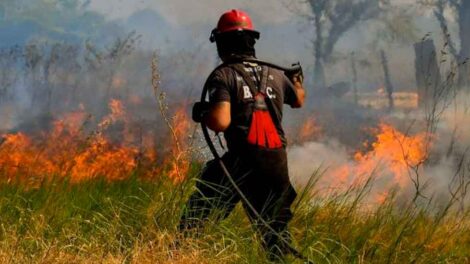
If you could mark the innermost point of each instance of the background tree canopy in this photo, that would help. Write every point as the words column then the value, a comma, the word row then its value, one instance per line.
column 65, row 20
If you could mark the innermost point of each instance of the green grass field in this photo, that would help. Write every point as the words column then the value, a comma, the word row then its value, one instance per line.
column 134, row 221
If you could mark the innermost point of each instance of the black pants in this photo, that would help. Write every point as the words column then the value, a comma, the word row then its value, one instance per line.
column 262, row 176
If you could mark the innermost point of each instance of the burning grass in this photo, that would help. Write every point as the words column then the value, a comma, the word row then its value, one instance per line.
column 98, row 200
column 69, row 150
column 111, row 195
column 390, row 159
column 394, row 161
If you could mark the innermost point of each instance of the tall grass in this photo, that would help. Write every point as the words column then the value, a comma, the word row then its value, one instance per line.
column 134, row 221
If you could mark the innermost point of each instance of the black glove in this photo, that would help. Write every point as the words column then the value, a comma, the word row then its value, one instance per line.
column 199, row 110
column 296, row 76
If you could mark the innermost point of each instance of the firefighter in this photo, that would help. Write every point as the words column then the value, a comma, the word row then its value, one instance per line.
column 246, row 103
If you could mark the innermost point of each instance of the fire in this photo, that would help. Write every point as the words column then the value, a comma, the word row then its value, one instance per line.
column 309, row 130
column 398, row 153
column 113, row 150
column 103, row 159
column 180, row 127
column 118, row 81
column 117, row 110
column 389, row 161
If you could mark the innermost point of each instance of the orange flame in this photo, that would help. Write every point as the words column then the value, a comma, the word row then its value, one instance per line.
column 309, row 130
column 389, row 161
column 180, row 164
column 68, row 151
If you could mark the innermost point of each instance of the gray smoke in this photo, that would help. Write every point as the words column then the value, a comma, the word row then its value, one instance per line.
column 445, row 170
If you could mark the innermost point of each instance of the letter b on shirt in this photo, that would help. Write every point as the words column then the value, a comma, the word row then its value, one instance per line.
column 246, row 92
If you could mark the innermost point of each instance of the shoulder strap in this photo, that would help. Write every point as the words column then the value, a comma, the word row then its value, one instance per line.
column 240, row 70
column 263, row 88
column 264, row 80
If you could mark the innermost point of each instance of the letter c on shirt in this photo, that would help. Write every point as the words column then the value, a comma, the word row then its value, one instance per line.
column 270, row 93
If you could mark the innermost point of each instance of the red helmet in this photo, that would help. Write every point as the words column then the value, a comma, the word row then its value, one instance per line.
column 234, row 20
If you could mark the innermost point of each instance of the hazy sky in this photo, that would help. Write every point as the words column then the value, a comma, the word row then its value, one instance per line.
column 201, row 11
column 195, row 19
column 276, row 22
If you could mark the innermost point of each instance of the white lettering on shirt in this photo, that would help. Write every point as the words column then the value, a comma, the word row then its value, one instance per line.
column 246, row 92
column 270, row 93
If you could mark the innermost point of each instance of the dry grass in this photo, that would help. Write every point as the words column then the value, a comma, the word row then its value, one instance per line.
column 134, row 221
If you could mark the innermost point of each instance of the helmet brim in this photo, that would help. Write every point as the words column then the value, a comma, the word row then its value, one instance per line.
column 215, row 32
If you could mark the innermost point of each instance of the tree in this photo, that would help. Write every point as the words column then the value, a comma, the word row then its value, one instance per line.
column 396, row 26
column 8, row 73
column 461, row 11
column 331, row 19
column 108, row 61
column 68, row 20
column 388, row 80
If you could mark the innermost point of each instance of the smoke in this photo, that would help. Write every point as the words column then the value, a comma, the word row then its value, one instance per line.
column 286, row 35
column 57, row 78
column 408, row 160
column 305, row 159
column 181, row 12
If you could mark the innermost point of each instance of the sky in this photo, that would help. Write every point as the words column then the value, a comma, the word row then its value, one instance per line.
column 191, row 22
column 197, row 18
column 186, row 12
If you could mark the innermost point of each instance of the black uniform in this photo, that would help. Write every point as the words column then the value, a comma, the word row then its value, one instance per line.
column 261, row 173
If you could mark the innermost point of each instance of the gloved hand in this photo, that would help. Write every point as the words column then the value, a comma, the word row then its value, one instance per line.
column 199, row 110
column 297, row 76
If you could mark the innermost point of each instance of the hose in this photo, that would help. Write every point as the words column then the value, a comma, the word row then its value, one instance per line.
column 216, row 155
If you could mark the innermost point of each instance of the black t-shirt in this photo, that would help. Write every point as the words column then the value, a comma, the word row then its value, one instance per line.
column 226, row 85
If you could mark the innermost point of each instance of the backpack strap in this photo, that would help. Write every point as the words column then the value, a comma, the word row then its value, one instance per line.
column 264, row 87
column 264, row 80
column 240, row 70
